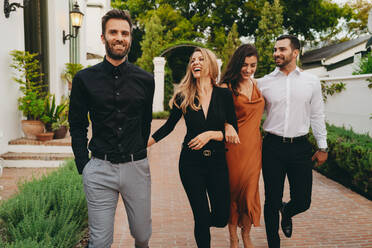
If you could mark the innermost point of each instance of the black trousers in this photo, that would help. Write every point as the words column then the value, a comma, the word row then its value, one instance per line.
column 206, row 182
column 278, row 161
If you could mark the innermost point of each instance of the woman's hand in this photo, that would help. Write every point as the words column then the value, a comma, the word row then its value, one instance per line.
column 231, row 136
column 150, row 142
column 200, row 141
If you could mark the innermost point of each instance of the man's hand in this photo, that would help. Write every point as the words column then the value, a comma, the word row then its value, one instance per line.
column 320, row 158
column 231, row 135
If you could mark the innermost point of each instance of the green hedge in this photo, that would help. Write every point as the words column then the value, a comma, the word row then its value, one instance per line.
column 160, row 115
column 47, row 212
column 349, row 159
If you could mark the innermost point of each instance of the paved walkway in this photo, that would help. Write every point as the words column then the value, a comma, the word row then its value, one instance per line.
column 337, row 218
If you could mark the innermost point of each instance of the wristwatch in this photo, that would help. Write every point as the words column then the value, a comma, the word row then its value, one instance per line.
column 323, row 149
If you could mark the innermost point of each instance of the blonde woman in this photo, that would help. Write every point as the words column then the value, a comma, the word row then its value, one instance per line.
column 203, row 169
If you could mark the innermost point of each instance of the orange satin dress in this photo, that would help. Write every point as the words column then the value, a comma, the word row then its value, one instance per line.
column 244, row 160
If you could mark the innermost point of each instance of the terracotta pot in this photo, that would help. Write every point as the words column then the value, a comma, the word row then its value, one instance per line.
column 60, row 133
column 45, row 136
column 31, row 128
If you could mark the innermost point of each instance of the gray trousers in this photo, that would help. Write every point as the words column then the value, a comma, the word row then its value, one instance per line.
column 103, row 181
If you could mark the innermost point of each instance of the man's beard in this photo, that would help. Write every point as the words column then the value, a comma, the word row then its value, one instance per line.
column 116, row 56
column 284, row 62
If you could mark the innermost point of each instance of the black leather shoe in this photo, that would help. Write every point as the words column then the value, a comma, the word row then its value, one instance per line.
column 286, row 223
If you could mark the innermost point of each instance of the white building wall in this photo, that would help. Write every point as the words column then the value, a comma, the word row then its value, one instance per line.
column 353, row 106
column 319, row 71
column 346, row 70
column 95, row 11
column 12, row 29
column 58, row 20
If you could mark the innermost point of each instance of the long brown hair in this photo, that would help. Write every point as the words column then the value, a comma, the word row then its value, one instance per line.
column 231, row 75
column 187, row 89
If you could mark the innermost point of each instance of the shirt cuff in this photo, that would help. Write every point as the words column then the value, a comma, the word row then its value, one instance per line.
column 322, row 143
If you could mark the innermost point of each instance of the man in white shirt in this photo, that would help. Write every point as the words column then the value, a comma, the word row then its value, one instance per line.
column 293, row 103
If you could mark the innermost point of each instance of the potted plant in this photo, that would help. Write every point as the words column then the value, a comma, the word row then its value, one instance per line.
column 69, row 73
column 31, row 103
column 61, row 126
column 51, row 115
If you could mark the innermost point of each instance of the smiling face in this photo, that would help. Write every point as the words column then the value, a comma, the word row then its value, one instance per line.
column 117, row 38
column 198, row 65
column 284, row 54
column 248, row 68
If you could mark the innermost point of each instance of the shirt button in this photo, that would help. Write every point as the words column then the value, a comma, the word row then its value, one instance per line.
column 118, row 93
column 116, row 77
column 120, row 128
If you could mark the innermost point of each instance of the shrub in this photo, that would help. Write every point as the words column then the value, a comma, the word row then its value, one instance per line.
column 47, row 212
column 160, row 115
column 349, row 159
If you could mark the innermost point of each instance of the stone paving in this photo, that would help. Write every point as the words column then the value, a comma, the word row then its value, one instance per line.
column 338, row 217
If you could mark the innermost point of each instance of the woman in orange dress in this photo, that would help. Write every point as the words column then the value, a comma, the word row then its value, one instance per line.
column 244, row 158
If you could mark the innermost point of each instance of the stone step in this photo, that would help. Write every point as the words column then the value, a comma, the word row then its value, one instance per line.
column 34, row 159
column 34, row 146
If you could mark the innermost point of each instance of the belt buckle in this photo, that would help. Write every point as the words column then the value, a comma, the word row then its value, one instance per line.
column 207, row 153
column 288, row 140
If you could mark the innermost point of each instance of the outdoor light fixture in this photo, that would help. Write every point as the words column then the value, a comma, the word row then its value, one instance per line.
column 9, row 7
column 76, row 20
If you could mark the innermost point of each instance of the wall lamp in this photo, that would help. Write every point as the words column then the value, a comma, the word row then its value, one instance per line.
column 9, row 7
column 76, row 17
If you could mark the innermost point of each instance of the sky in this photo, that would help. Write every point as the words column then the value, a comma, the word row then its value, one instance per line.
column 340, row 1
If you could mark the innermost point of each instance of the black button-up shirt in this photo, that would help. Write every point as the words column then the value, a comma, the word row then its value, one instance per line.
column 119, row 102
column 221, row 111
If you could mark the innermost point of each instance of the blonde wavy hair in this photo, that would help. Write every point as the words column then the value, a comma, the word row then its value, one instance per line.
column 187, row 89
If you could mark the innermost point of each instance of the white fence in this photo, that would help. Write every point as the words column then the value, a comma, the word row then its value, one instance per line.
column 351, row 108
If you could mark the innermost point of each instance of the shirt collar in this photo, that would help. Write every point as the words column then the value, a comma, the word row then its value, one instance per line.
column 110, row 68
column 277, row 71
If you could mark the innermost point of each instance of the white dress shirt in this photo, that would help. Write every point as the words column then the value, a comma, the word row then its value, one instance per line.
column 293, row 103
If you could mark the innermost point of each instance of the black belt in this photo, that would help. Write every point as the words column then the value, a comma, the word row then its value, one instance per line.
column 282, row 139
column 117, row 158
column 206, row 152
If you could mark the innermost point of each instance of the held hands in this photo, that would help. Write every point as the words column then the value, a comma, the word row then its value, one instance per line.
column 150, row 142
column 231, row 135
column 320, row 158
column 200, row 141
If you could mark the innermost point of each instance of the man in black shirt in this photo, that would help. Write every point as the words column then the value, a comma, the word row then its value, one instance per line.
column 118, row 97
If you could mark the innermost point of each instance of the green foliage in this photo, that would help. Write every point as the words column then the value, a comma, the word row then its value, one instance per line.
column 52, row 112
column 231, row 44
column 47, row 212
column 211, row 20
column 160, row 115
column 31, row 105
column 152, row 43
column 269, row 28
column 168, row 88
column 71, row 69
column 331, row 89
column 177, row 26
column 365, row 67
column 30, row 83
column 358, row 24
column 312, row 18
column 62, row 118
column 349, row 159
